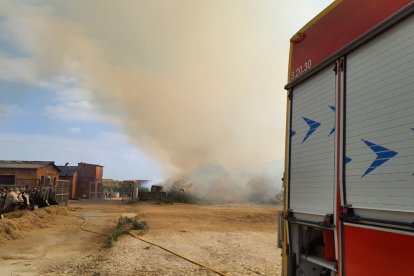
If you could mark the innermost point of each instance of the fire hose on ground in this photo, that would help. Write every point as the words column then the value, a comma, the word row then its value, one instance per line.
column 85, row 221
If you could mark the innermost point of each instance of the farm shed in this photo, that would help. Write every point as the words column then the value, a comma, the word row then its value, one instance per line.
column 28, row 173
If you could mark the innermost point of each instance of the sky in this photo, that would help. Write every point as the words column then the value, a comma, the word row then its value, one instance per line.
column 148, row 89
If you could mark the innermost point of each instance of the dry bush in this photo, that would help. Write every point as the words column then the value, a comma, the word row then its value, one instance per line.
column 124, row 226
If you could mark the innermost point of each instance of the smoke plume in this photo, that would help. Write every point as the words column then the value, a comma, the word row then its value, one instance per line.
column 190, row 82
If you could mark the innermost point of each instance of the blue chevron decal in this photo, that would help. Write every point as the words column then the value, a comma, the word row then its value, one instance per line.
column 333, row 108
column 292, row 133
column 347, row 159
column 313, row 125
column 383, row 155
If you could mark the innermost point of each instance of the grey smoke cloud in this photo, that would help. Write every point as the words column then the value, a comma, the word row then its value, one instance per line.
column 191, row 82
column 250, row 183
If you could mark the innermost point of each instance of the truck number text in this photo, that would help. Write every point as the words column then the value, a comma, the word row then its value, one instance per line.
column 301, row 69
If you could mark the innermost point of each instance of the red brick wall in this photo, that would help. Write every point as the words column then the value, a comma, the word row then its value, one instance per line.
column 88, row 173
column 99, row 173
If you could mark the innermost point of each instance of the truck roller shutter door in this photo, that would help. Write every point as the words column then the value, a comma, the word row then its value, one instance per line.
column 380, row 124
column 312, row 159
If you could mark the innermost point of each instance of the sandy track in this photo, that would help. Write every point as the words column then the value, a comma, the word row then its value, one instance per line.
column 235, row 239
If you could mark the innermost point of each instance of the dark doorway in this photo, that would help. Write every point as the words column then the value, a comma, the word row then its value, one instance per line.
column 7, row 179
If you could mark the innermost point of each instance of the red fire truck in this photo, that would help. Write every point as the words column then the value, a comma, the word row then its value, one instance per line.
column 349, row 171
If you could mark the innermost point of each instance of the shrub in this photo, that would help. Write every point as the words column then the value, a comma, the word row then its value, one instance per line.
column 124, row 226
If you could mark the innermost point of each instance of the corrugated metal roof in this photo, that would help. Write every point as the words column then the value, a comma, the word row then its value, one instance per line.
column 96, row 165
column 67, row 170
column 11, row 164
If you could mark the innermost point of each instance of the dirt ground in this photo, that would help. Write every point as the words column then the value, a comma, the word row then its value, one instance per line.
column 234, row 239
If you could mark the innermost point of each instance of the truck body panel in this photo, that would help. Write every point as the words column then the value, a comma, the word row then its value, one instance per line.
column 332, row 30
column 362, row 245
column 349, row 169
